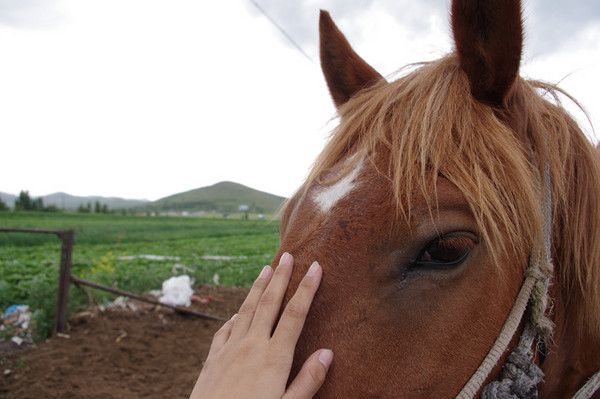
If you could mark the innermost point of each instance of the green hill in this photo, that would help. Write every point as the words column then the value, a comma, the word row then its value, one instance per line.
column 221, row 197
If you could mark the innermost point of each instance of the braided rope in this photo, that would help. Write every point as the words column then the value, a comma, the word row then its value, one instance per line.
column 590, row 387
column 521, row 375
column 540, row 298
column 509, row 328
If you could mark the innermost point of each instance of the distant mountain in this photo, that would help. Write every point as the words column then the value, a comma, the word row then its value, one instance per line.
column 68, row 201
column 8, row 199
column 72, row 202
column 225, row 196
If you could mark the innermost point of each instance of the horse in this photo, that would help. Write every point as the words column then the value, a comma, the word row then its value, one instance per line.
column 425, row 209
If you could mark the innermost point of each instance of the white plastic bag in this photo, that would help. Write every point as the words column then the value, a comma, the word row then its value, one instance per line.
column 177, row 291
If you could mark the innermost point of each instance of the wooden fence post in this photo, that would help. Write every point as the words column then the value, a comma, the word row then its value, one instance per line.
column 64, row 279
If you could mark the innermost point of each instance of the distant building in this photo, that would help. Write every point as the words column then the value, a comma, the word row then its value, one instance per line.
column 243, row 208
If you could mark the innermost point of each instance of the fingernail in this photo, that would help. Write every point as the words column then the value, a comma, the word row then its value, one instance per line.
column 325, row 357
column 286, row 259
column 312, row 270
column 265, row 272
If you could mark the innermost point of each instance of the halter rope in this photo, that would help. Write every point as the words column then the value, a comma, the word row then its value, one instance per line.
column 590, row 387
column 521, row 375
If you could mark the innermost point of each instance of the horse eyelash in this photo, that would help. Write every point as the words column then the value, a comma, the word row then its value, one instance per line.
column 455, row 241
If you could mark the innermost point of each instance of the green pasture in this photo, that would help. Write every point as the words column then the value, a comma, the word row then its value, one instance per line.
column 134, row 253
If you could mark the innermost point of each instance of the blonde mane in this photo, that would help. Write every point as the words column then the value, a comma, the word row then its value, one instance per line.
column 431, row 125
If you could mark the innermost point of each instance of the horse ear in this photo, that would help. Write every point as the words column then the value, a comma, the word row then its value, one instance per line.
column 489, row 41
column 345, row 71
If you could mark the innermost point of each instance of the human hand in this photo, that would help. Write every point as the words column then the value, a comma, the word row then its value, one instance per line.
column 247, row 361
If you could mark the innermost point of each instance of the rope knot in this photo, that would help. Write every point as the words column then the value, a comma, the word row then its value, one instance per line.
column 519, row 379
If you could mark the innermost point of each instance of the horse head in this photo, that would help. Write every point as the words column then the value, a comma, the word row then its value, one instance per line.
column 423, row 210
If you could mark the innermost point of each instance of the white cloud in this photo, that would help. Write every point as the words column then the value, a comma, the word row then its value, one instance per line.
column 30, row 14
column 576, row 68
column 145, row 98
column 142, row 100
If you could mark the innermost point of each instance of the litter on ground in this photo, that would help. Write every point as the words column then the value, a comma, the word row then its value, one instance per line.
column 222, row 257
column 15, row 324
column 177, row 291
column 149, row 257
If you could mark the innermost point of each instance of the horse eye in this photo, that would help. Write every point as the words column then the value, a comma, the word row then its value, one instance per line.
column 446, row 251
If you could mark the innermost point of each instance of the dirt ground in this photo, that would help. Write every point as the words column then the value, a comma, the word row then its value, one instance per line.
column 150, row 353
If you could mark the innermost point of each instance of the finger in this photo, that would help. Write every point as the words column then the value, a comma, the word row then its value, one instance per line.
column 248, row 308
column 294, row 315
column 270, row 301
column 220, row 338
column 311, row 376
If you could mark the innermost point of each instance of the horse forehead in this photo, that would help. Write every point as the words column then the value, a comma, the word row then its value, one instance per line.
column 326, row 197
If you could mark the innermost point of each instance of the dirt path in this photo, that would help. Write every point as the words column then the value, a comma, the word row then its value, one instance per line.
column 119, row 354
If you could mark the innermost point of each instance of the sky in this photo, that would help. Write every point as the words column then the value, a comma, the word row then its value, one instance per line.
column 147, row 98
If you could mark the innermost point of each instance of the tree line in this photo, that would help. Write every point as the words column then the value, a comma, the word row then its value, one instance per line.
column 24, row 202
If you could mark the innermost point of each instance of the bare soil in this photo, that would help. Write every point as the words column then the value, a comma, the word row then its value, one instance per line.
column 148, row 353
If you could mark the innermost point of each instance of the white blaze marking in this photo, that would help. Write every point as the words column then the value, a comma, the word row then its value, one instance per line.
column 327, row 197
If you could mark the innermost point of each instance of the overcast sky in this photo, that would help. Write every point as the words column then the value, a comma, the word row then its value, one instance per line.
column 146, row 98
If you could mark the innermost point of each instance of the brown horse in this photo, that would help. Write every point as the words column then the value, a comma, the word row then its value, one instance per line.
column 423, row 210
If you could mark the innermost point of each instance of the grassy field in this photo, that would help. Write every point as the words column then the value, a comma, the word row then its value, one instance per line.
column 115, row 250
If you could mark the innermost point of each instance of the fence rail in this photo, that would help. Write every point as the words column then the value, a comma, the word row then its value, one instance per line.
column 65, row 278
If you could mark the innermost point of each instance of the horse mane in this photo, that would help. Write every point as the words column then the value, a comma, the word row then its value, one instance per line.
column 432, row 126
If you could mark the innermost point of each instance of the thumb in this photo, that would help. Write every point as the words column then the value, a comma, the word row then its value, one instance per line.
column 311, row 376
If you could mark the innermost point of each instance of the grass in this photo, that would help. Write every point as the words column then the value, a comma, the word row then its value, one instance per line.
column 107, row 250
